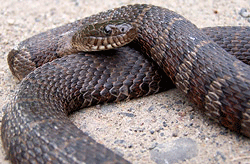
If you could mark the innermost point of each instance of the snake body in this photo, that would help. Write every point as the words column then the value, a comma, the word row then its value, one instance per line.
column 35, row 127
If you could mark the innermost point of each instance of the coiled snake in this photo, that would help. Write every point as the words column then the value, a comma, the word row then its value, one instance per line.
column 35, row 127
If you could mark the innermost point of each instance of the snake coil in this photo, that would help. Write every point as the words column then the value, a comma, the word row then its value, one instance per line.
column 35, row 127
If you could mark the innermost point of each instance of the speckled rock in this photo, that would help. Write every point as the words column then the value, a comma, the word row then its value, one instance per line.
column 176, row 151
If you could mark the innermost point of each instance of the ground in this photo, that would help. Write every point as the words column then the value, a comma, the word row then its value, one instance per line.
column 141, row 130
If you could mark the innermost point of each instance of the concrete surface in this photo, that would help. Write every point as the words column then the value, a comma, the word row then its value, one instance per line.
column 141, row 130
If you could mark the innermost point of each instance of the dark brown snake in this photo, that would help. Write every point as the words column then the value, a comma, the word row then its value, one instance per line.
column 35, row 127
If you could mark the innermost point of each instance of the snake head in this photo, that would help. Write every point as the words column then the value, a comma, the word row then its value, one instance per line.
column 103, row 36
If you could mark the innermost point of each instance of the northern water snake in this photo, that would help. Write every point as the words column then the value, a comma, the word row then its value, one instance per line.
column 34, row 125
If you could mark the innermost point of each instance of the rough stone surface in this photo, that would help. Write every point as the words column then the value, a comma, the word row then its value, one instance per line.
column 178, row 150
column 136, row 127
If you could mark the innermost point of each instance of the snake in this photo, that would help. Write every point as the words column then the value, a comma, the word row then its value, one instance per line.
column 118, row 54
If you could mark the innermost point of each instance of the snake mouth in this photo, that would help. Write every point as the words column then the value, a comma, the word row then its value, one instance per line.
column 98, row 43
column 104, row 36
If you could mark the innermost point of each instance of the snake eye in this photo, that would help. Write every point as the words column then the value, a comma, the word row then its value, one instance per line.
column 107, row 30
column 124, row 27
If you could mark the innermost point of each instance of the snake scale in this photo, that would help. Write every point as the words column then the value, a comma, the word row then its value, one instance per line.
column 35, row 127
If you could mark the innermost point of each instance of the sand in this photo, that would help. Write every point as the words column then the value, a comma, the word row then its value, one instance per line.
column 136, row 127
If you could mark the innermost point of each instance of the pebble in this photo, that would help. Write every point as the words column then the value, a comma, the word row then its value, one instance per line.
column 152, row 131
column 165, row 124
column 122, row 143
column 175, row 151
column 10, row 21
column 139, row 129
column 127, row 114
column 244, row 13
column 153, row 146
column 179, row 102
column 220, row 155
column 119, row 141
column 202, row 137
column 151, row 108
column 131, row 109
column 175, row 134
column 178, row 109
